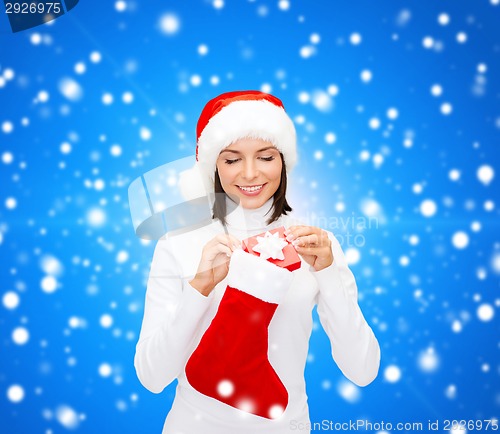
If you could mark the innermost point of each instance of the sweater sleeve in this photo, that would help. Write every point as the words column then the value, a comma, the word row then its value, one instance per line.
column 173, row 312
column 354, row 346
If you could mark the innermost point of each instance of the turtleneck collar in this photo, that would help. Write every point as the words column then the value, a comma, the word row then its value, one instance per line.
column 240, row 218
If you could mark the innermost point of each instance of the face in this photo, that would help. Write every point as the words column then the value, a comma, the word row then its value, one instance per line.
column 250, row 171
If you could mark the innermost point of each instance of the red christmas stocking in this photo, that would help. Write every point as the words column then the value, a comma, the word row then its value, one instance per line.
column 230, row 363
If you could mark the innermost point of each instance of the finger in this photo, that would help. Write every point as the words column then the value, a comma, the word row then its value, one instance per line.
column 316, row 251
column 298, row 231
column 292, row 229
column 325, row 240
column 235, row 242
column 306, row 235
column 232, row 241
column 222, row 248
column 307, row 240
column 228, row 240
column 213, row 250
column 221, row 259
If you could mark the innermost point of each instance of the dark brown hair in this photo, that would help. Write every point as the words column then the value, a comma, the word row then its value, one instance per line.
column 280, row 205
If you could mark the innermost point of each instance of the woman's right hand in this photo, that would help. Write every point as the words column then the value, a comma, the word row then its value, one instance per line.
column 214, row 262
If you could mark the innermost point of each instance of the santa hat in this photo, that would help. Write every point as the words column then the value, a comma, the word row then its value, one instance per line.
column 232, row 116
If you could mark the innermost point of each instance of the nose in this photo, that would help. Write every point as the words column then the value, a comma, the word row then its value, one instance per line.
column 250, row 170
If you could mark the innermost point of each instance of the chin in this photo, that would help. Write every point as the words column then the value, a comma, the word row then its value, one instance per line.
column 249, row 202
column 252, row 204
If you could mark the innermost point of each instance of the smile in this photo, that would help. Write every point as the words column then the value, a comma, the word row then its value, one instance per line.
column 251, row 188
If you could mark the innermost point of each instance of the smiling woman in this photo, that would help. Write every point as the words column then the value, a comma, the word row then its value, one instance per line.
column 234, row 327
column 251, row 171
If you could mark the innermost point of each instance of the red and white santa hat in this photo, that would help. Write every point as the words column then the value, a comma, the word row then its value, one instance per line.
column 232, row 116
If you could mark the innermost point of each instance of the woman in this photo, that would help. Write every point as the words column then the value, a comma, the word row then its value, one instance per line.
column 234, row 328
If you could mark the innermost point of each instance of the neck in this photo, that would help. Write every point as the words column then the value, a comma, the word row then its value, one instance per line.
column 238, row 217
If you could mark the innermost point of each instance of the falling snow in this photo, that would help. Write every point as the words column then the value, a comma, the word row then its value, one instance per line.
column 428, row 208
column 485, row 174
column 15, row 393
column 169, row 24
column 397, row 126
column 392, row 373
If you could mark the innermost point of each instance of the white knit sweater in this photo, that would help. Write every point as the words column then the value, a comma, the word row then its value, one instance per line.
column 176, row 317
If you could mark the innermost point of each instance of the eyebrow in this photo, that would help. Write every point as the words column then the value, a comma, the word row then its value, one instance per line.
column 238, row 152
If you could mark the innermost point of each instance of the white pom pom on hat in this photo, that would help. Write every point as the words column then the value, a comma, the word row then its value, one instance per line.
column 229, row 117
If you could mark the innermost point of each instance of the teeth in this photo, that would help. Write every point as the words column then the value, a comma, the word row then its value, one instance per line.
column 255, row 188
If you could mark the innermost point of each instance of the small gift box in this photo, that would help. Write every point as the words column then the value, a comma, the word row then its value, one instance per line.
column 273, row 246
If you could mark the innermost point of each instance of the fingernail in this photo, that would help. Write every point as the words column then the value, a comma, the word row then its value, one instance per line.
column 295, row 242
column 290, row 237
column 228, row 255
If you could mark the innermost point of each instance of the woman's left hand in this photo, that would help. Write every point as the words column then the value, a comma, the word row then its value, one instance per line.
column 312, row 244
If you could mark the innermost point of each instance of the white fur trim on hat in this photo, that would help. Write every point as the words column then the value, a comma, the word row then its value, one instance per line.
column 258, row 277
column 258, row 119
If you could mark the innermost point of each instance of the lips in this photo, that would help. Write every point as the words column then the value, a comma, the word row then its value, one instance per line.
column 251, row 190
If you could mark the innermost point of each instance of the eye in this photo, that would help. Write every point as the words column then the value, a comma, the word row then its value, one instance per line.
column 232, row 161
column 270, row 158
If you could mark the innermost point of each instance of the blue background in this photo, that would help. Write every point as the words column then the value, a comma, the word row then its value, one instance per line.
column 69, row 256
